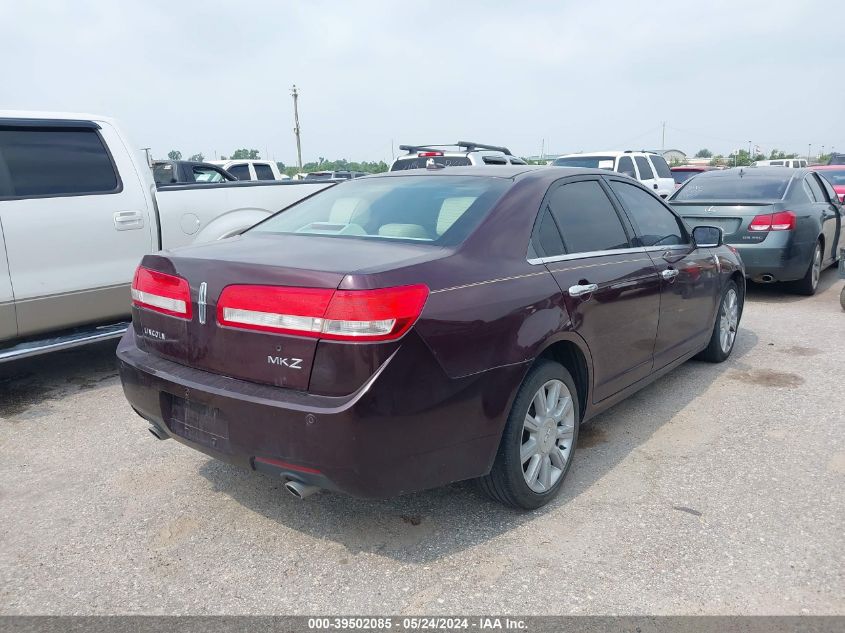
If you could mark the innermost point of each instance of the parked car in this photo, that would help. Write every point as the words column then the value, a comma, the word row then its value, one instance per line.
column 682, row 173
column 785, row 223
column 407, row 330
column 169, row 172
column 252, row 169
column 836, row 159
column 835, row 175
column 461, row 154
column 333, row 175
column 78, row 210
column 795, row 163
column 650, row 168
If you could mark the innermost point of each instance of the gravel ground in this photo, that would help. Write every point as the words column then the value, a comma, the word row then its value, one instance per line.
column 717, row 490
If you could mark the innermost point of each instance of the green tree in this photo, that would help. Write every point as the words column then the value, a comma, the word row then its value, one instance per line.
column 245, row 154
column 174, row 154
column 717, row 161
column 675, row 162
column 280, row 165
column 704, row 153
column 197, row 157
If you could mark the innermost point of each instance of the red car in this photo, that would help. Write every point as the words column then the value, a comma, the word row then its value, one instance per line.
column 683, row 173
column 835, row 175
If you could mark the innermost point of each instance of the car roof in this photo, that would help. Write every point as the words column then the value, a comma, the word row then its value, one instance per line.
column 689, row 168
column 825, row 167
column 69, row 116
column 511, row 172
column 754, row 172
column 611, row 152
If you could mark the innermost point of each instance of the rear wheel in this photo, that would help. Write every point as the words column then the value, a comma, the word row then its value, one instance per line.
column 726, row 327
column 539, row 438
column 808, row 284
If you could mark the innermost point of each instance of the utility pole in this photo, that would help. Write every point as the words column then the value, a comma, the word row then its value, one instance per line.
column 663, row 138
column 749, row 152
column 148, row 155
column 809, row 151
column 295, row 94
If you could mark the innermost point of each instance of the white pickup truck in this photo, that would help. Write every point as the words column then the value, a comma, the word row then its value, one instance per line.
column 78, row 210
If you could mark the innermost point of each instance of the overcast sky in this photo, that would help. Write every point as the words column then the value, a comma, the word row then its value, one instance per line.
column 214, row 76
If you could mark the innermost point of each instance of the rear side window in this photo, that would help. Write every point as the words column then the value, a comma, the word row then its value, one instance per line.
column 655, row 224
column 586, row 218
column 644, row 167
column 660, row 166
column 240, row 171
column 263, row 172
column 56, row 162
column 815, row 188
column 206, row 174
column 626, row 165
column 547, row 240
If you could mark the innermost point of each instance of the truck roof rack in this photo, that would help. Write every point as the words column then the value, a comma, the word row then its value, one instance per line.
column 469, row 146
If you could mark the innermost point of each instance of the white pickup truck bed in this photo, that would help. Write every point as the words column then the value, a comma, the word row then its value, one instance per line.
column 78, row 210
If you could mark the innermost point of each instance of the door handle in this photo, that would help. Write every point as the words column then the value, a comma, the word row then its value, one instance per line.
column 128, row 220
column 580, row 290
column 669, row 274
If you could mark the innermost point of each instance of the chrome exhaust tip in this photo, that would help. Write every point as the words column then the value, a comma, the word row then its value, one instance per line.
column 767, row 279
column 299, row 489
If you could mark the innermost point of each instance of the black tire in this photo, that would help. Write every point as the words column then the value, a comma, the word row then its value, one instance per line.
column 842, row 298
column 506, row 482
column 809, row 283
column 714, row 352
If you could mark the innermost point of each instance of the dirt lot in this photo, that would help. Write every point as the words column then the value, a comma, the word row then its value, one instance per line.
column 720, row 489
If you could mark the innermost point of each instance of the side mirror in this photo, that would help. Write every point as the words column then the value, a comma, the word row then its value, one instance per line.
column 707, row 236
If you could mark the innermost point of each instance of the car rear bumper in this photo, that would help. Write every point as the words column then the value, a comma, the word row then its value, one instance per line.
column 777, row 256
column 410, row 427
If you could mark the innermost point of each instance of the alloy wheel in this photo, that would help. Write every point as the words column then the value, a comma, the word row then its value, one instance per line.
column 547, row 436
column 728, row 320
column 817, row 266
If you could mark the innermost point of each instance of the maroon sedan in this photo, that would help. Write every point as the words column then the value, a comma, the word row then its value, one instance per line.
column 400, row 332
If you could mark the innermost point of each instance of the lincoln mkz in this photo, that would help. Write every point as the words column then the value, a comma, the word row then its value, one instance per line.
column 403, row 331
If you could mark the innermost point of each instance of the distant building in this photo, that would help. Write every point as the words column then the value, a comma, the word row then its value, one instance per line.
column 675, row 155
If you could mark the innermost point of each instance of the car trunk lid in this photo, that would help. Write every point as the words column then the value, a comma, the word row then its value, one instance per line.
column 733, row 217
column 290, row 265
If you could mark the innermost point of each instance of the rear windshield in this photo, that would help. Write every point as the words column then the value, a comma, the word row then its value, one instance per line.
column 833, row 176
column 593, row 162
column 418, row 162
column 436, row 209
column 163, row 173
column 735, row 187
column 683, row 176
column 319, row 175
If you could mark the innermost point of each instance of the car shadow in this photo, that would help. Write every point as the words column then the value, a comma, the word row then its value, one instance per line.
column 780, row 292
column 28, row 383
column 420, row 528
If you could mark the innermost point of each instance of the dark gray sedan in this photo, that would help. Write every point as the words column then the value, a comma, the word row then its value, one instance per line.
column 785, row 223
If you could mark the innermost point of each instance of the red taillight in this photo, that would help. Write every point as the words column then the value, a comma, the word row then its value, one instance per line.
column 781, row 221
column 161, row 292
column 341, row 315
column 430, row 154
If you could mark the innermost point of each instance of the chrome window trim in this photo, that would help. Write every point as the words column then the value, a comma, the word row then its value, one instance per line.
column 534, row 261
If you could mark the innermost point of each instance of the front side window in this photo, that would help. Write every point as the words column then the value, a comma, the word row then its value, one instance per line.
column 240, row 171
column 655, row 224
column 644, row 168
column 56, row 162
column 586, row 218
column 263, row 172
column 441, row 210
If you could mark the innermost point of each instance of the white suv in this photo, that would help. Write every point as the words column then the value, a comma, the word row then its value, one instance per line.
column 466, row 154
column 649, row 168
